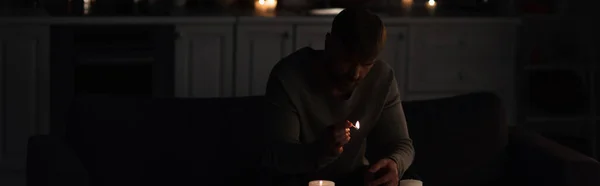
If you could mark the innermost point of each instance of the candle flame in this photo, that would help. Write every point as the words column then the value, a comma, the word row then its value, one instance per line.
column 357, row 125
column 265, row 7
column 431, row 2
column 270, row 2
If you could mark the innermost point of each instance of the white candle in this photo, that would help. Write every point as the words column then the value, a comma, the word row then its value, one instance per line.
column 87, row 4
column 321, row 183
column 430, row 6
column 265, row 5
column 407, row 3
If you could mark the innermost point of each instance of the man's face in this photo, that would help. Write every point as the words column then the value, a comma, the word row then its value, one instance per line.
column 347, row 68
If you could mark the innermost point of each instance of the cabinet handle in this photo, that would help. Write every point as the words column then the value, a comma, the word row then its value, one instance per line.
column 400, row 37
column 286, row 35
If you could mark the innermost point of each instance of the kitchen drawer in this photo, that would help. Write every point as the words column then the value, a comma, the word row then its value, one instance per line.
column 495, row 40
column 488, row 40
column 456, row 73
column 460, row 56
column 441, row 39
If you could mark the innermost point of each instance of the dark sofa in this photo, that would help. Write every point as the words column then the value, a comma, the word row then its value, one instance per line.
column 111, row 141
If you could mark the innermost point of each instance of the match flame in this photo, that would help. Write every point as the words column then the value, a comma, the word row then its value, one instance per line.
column 357, row 125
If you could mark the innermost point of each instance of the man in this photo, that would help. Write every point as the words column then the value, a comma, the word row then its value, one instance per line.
column 317, row 97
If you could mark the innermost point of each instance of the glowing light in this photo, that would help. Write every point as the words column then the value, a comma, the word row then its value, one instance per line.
column 265, row 7
column 326, row 11
column 430, row 6
column 87, row 5
column 431, row 3
column 407, row 3
column 321, row 183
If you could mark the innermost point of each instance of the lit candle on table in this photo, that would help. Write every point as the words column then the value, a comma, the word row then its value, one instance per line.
column 265, row 7
column 87, row 5
column 407, row 4
column 430, row 6
column 321, row 183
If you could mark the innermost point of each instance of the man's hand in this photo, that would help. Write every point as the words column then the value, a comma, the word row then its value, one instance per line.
column 389, row 171
column 336, row 137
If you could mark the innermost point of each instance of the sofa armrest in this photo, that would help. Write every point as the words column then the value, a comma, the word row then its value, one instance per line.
column 51, row 162
column 541, row 161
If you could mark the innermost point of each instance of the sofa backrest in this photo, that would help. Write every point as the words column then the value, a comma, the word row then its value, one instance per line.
column 459, row 140
column 140, row 141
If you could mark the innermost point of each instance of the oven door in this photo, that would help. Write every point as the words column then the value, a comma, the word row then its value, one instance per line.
column 132, row 60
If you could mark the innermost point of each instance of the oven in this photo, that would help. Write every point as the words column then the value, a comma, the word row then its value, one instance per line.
column 127, row 60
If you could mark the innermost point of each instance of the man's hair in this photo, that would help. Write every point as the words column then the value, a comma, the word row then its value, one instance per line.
column 359, row 31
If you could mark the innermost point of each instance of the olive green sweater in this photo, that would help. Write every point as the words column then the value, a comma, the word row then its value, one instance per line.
column 297, row 114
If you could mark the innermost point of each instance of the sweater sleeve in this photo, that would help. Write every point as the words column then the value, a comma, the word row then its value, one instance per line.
column 390, row 134
column 286, row 154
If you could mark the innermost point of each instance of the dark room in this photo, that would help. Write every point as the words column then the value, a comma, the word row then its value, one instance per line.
column 299, row 93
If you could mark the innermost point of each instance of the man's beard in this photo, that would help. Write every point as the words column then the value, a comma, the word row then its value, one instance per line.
column 343, row 84
column 339, row 81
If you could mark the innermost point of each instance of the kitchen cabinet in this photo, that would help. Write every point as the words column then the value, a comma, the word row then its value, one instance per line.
column 204, row 61
column 311, row 36
column 24, row 91
column 259, row 48
column 460, row 57
column 395, row 53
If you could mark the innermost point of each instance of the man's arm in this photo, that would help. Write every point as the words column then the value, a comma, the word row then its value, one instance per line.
column 390, row 134
column 285, row 153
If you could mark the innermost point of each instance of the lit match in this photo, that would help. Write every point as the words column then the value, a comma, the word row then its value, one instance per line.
column 357, row 125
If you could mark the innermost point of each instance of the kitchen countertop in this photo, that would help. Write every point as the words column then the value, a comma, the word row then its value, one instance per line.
column 227, row 17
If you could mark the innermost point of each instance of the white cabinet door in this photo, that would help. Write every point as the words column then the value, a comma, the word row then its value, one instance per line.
column 24, row 91
column 434, row 64
column 259, row 48
column 395, row 53
column 204, row 61
column 460, row 56
column 311, row 36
